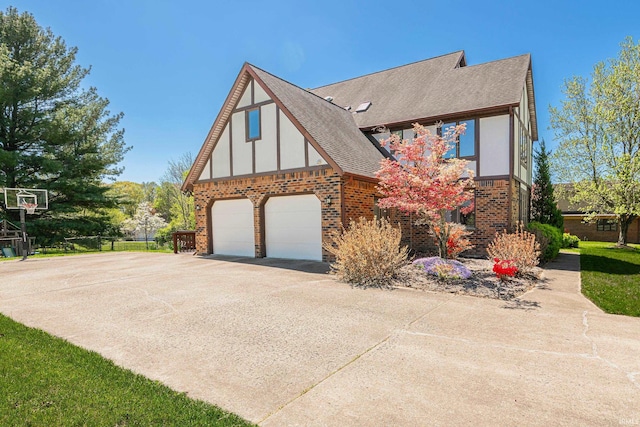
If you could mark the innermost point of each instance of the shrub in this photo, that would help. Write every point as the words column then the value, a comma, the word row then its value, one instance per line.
column 444, row 269
column 458, row 241
column 504, row 268
column 570, row 241
column 368, row 253
column 520, row 247
column 553, row 236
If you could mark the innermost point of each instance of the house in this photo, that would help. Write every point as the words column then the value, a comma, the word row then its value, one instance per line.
column 602, row 228
column 283, row 166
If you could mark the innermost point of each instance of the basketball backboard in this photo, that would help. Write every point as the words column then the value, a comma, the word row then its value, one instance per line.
column 15, row 198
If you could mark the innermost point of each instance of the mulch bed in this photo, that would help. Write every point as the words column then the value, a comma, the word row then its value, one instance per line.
column 482, row 283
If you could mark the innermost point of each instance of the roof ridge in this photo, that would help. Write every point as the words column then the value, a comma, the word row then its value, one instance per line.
column 497, row 60
column 298, row 87
column 392, row 68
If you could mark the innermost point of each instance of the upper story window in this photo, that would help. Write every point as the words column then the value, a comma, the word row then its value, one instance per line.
column 253, row 124
column 525, row 144
column 466, row 144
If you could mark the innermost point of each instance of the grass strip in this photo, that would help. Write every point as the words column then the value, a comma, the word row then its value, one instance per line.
column 46, row 381
column 611, row 277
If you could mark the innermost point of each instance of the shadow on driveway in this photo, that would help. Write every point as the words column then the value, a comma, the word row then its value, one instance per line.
column 566, row 262
column 288, row 264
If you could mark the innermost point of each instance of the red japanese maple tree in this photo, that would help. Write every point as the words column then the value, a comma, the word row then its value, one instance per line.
column 422, row 181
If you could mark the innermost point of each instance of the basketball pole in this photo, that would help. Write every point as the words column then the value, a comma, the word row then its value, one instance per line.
column 23, row 227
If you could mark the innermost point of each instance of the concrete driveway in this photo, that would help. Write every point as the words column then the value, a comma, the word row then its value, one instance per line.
column 281, row 343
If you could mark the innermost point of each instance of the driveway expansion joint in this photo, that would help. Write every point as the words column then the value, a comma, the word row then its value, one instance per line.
column 631, row 376
column 358, row 356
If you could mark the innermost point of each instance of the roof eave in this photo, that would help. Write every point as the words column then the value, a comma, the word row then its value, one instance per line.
column 532, row 102
column 458, row 115
column 221, row 119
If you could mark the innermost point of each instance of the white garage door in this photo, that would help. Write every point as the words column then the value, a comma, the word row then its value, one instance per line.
column 293, row 227
column 232, row 226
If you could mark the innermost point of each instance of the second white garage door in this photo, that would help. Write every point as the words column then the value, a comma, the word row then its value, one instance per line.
column 293, row 227
column 232, row 227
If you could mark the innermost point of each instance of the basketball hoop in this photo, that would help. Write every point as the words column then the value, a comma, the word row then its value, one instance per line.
column 30, row 207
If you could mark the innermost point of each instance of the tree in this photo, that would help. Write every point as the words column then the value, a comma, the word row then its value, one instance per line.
column 175, row 206
column 145, row 222
column 422, row 181
column 543, row 203
column 53, row 133
column 128, row 195
column 598, row 129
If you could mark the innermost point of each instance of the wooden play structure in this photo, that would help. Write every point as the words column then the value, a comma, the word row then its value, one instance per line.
column 11, row 240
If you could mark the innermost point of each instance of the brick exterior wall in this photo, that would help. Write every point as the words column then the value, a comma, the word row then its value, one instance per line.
column 493, row 198
column 585, row 231
column 258, row 189
column 359, row 199
column 351, row 199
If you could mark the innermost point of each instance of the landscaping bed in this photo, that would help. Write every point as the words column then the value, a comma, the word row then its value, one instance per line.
column 482, row 282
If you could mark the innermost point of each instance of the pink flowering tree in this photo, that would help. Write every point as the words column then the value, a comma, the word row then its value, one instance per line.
column 422, row 181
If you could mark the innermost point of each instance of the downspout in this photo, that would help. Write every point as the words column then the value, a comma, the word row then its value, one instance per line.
column 511, row 160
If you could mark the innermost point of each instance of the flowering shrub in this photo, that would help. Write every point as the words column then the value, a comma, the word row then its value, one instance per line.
column 424, row 181
column 457, row 241
column 520, row 247
column 504, row 268
column 444, row 269
column 368, row 253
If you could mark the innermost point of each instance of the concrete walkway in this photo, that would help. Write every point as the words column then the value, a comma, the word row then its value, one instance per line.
column 280, row 345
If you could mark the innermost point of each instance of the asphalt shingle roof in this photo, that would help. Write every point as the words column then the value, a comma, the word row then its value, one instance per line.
column 434, row 87
column 331, row 126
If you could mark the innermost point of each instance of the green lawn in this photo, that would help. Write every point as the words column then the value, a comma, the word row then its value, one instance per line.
column 611, row 277
column 46, row 381
column 118, row 246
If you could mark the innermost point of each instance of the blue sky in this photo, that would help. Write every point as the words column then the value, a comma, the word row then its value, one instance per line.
column 168, row 65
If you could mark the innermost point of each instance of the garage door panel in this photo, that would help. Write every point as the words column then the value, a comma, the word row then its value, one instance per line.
column 293, row 227
column 232, row 227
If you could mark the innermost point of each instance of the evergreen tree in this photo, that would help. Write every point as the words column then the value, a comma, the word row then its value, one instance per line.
column 543, row 204
column 53, row 133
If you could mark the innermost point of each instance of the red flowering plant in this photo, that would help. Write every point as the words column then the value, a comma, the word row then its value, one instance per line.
column 423, row 181
column 458, row 241
column 504, row 268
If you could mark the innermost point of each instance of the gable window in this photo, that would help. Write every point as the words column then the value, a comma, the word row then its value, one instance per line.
column 253, row 124
column 524, row 155
column 466, row 144
column 607, row 225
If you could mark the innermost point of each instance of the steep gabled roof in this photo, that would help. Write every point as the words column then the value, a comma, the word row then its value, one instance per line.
column 328, row 127
column 434, row 88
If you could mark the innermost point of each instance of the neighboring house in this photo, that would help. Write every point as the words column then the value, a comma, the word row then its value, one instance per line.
column 283, row 166
column 604, row 227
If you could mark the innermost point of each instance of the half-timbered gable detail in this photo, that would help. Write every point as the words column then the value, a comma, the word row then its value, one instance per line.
column 257, row 138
